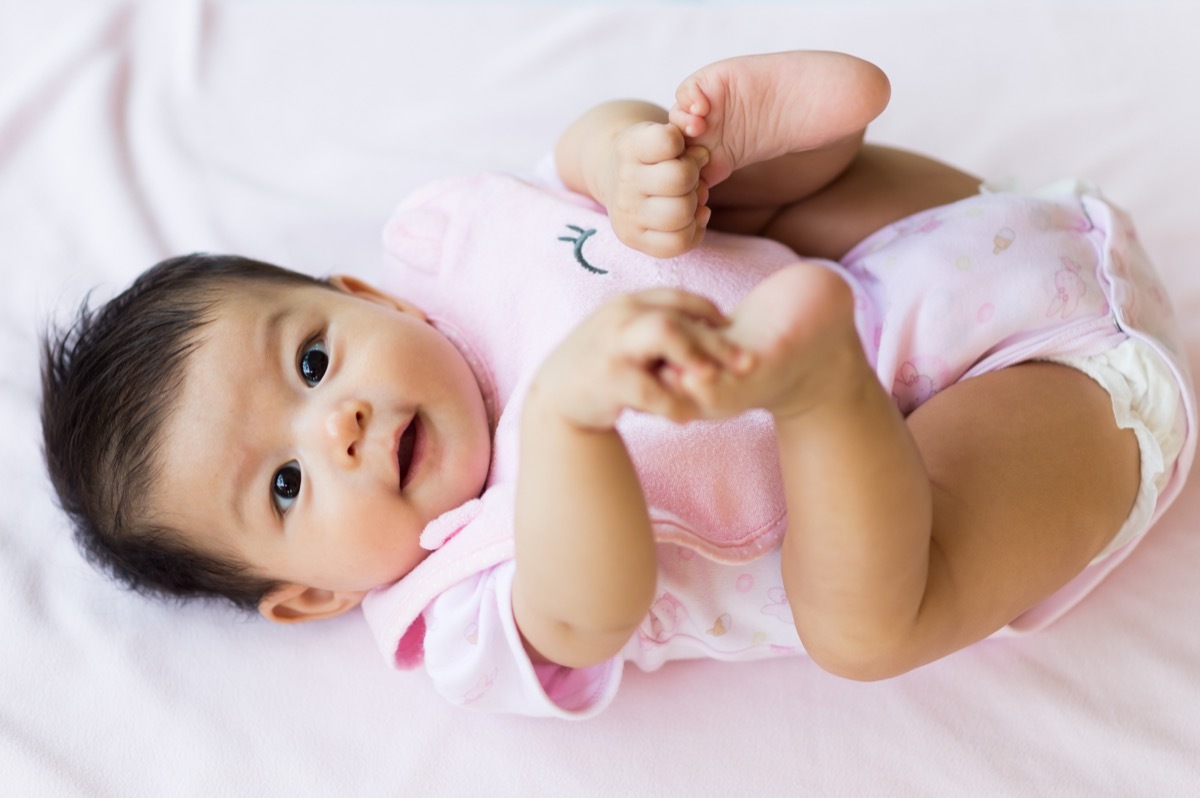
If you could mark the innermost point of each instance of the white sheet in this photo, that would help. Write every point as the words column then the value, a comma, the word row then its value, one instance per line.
column 287, row 131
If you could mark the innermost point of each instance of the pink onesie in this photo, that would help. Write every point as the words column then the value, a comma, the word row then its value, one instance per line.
column 505, row 269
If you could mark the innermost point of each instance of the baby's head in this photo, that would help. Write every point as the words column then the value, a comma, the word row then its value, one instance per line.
column 228, row 428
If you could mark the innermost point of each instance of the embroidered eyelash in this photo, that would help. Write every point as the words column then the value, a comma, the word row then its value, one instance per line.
column 583, row 235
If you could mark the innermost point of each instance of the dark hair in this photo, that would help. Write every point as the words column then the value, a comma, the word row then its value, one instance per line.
column 109, row 381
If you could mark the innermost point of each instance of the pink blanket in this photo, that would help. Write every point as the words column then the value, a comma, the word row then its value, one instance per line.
column 288, row 131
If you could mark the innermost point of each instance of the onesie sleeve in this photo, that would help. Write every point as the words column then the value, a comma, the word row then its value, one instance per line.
column 475, row 657
column 545, row 173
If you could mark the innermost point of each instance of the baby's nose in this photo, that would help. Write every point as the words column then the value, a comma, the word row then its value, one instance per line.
column 345, row 425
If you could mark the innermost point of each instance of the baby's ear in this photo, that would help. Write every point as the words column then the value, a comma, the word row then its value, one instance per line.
column 360, row 288
column 293, row 603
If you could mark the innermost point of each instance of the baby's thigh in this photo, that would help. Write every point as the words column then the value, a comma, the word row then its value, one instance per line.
column 1031, row 476
column 881, row 186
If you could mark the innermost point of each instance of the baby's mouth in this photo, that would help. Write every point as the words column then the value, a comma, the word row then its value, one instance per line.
column 405, row 449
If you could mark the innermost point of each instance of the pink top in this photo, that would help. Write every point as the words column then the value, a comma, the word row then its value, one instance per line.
column 505, row 269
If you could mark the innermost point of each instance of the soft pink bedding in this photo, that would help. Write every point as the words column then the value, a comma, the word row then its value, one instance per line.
column 288, row 131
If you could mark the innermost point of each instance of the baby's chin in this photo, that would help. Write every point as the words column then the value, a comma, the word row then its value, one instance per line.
column 421, row 557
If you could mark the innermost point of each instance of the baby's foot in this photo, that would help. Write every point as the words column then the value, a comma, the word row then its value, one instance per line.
column 798, row 325
column 754, row 108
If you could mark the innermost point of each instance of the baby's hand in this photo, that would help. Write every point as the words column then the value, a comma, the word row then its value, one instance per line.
column 652, row 190
column 652, row 351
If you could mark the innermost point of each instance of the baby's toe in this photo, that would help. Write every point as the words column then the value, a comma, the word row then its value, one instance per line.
column 691, row 98
column 691, row 125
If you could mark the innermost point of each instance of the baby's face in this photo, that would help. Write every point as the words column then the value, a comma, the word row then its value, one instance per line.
column 318, row 432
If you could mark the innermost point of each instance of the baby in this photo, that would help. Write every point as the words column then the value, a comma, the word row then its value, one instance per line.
column 577, row 426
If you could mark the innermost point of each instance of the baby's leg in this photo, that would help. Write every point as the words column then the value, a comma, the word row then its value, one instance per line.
column 880, row 186
column 911, row 538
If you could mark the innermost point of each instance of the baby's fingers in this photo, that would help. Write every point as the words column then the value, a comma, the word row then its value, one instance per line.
column 720, row 395
column 669, row 214
column 676, row 177
column 652, row 143
column 689, row 345
column 658, row 392
column 663, row 244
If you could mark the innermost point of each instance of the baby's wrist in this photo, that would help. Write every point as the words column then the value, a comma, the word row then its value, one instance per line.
column 598, row 172
column 549, row 408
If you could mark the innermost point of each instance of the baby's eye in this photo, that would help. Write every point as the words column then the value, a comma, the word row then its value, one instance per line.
column 285, row 486
column 313, row 361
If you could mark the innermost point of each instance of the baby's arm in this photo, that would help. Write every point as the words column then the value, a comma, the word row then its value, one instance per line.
column 585, row 555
